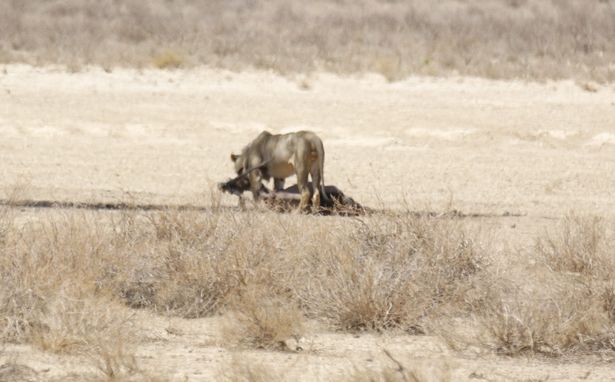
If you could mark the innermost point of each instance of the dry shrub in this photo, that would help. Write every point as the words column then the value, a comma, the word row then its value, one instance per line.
column 567, row 320
column 187, row 278
column 579, row 246
column 260, row 319
column 205, row 260
column 73, row 324
column 50, row 294
column 390, row 273
column 35, row 263
column 562, row 308
column 115, row 360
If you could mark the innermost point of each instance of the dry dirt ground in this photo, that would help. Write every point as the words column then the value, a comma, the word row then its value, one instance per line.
column 519, row 155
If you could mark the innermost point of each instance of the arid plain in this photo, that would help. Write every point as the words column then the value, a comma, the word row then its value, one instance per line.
column 476, row 145
column 506, row 159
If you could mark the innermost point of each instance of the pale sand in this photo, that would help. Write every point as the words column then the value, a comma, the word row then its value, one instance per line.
column 478, row 146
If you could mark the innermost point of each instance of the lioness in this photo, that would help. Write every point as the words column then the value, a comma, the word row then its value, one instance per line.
column 280, row 156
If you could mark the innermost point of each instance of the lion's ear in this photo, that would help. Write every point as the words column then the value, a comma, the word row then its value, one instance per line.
column 234, row 157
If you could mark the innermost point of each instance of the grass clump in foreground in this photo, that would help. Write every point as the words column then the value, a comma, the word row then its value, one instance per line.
column 390, row 273
column 70, row 279
column 261, row 319
column 562, row 306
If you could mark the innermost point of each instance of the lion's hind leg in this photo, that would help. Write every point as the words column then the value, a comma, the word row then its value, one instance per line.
column 302, row 184
column 304, row 190
column 255, row 184
column 316, row 179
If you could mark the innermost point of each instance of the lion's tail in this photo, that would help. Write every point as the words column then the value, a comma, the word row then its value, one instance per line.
column 321, row 154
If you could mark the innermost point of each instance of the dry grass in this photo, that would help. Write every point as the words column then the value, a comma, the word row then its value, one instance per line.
column 564, row 320
column 70, row 280
column 580, row 246
column 52, row 294
column 260, row 319
column 562, row 305
column 386, row 272
column 531, row 39
column 415, row 370
column 390, row 273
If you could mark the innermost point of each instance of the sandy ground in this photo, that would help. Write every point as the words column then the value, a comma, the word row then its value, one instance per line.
column 190, row 350
column 533, row 151
column 484, row 146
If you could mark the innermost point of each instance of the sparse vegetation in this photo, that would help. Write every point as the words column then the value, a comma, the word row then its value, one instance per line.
column 530, row 39
column 83, row 285
column 390, row 273
column 564, row 319
column 564, row 304
column 580, row 246
column 386, row 272
column 68, row 282
column 260, row 319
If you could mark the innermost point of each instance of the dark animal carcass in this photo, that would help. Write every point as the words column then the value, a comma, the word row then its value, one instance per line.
column 288, row 199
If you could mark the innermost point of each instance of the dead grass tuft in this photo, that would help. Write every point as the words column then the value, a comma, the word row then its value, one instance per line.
column 579, row 246
column 168, row 60
column 563, row 322
column 563, row 307
column 389, row 274
column 262, row 320
column 75, row 325
column 51, row 294
column 115, row 360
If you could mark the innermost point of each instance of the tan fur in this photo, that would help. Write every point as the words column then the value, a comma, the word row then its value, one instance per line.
column 280, row 156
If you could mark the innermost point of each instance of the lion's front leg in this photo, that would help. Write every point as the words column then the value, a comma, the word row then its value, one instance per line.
column 305, row 200
column 255, row 184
